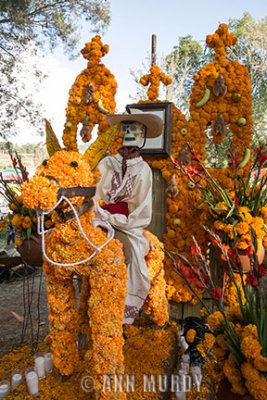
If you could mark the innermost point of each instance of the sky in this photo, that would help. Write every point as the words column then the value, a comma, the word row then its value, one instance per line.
column 129, row 38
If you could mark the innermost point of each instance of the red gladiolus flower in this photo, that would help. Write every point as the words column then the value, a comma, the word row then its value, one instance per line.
column 252, row 280
column 231, row 254
column 195, row 156
column 199, row 285
column 262, row 159
column 236, row 201
column 185, row 271
column 14, row 162
column 215, row 242
column 194, row 250
column 173, row 267
column 249, row 251
column 258, row 150
column 191, row 171
column 262, row 271
column 216, row 293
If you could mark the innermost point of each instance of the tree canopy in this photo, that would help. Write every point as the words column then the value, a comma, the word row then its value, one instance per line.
column 25, row 27
column 49, row 22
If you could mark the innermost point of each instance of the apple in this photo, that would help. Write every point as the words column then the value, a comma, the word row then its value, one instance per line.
column 242, row 121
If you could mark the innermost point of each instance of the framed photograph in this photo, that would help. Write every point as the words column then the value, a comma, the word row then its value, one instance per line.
column 160, row 146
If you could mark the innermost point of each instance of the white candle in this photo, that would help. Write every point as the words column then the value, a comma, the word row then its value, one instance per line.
column 16, row 379
column 185, row 358
column 48, row 357
column 32, row 383
column 4, row 389
column 39, row 364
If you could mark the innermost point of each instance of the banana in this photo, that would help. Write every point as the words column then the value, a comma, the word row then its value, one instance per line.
column 204, row 99
column 245, row 159
column 101, row 108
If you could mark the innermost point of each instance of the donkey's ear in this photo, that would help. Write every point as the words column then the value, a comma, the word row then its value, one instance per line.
column 99, row 147
column 52, row 144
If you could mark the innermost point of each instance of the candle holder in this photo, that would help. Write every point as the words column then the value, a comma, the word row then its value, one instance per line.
column 48, row 357
column 4, row 389
column 32, row 381
column 39, row 364
column 16, row 378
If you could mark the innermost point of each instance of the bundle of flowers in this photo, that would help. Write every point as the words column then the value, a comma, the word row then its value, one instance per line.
column 23, row 219
column 236, row 345
column 239, row 212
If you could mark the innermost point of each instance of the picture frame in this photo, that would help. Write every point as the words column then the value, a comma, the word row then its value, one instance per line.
column 160, row 146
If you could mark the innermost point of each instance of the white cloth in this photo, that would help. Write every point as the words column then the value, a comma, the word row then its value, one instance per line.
column 135, row 188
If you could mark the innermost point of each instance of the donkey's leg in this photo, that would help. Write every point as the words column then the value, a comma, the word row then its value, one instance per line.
column 156, row 304
column 62, row 318
column 108, row 278
column 83, row 320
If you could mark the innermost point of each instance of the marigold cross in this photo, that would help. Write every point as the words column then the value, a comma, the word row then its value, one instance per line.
column 220, row 40
column 155, row 76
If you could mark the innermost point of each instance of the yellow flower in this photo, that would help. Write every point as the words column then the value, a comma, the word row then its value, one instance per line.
column 263, row 211
column 17, row 221
column 190, row 335
column 241, row 228
column 215, row 320
column 220, row 226
column 209, row 341
column 221, row 205
column 48, row 223
column 18, row 242
column 18, row 199
column 27, row 223
column 241, row 244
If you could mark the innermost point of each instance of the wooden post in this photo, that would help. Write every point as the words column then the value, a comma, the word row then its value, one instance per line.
column 154, row 50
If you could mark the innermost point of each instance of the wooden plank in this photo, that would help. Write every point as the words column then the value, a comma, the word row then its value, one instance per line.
column 159, row 206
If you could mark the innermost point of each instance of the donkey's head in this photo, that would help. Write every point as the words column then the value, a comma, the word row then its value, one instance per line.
column 64, row 175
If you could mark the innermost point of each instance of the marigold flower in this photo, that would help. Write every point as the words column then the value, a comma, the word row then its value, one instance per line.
column 18, row 242
column 190, row 335
column 209, row 341
column 241, row 228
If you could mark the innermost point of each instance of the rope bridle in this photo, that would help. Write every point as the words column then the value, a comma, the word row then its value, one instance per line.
column 64, row 194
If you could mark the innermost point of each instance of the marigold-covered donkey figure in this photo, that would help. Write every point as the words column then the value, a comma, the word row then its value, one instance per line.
column 73, row 246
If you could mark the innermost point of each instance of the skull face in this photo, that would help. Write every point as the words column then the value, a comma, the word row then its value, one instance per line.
column 134, row 133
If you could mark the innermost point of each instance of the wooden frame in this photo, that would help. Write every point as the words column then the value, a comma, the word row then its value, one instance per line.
column 161, row 146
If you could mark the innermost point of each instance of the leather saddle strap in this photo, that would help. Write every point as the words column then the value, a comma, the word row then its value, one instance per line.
column 76, row 191
column 73, row 191
column 68, row 215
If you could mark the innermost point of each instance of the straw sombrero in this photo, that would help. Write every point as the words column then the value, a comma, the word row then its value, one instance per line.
column 153, row 123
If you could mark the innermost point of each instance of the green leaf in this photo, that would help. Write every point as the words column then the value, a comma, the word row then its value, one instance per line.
column 28, row 232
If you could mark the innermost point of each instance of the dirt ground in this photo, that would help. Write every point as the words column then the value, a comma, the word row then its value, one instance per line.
column 19, row 310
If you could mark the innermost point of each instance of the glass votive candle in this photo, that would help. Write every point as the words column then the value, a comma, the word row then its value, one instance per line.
column 4, row 389
column 39, row 365
column 48, row 357
column 32, row 381
column 16, row 378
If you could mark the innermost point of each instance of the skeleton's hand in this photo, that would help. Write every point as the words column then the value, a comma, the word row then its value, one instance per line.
column 100, row 213
column 101, row 219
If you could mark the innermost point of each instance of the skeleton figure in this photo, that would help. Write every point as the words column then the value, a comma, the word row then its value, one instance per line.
column 134, row 133
column 126, row 189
